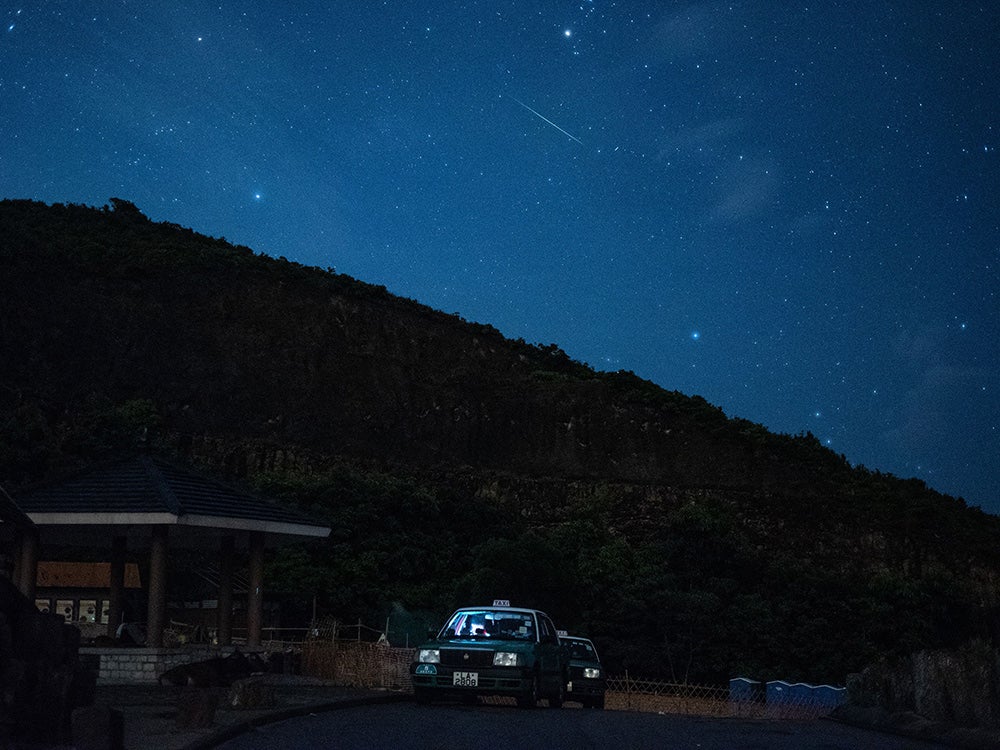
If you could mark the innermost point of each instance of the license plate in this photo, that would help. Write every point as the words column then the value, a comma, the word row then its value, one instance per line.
column 465, row 679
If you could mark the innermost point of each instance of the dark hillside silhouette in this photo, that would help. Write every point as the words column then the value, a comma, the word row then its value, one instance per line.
column 434, row 445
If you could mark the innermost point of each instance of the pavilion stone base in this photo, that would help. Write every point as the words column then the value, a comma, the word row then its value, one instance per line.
column 124, row 666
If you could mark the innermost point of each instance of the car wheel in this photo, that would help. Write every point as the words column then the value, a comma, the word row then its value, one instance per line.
column 530, row 698
column 598, row 703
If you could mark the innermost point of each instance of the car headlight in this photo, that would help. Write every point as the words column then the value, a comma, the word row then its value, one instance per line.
column 592, row 673
column 429, row 655
column 505, row 659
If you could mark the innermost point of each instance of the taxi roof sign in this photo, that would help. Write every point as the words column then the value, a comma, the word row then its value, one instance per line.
column 501, row 602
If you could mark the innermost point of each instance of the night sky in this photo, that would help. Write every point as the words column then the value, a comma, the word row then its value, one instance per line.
column 790, row 209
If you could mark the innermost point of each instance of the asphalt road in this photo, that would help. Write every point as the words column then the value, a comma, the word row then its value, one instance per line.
column 403, row 726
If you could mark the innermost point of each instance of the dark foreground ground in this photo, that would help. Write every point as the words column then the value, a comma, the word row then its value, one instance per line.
column 408, row 726
column 306, row 712
column 150, row 712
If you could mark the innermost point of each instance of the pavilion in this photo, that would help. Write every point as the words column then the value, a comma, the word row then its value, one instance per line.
column 151, row 506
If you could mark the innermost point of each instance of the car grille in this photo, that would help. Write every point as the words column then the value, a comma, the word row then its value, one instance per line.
column 456, row 657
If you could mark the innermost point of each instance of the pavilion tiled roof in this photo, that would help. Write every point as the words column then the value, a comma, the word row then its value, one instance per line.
column 149, row 490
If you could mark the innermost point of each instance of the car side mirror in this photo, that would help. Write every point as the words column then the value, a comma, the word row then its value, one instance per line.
column 550, row 639
column 432, row 634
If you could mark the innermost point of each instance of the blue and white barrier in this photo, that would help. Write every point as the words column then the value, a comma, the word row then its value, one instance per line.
column 779, row 692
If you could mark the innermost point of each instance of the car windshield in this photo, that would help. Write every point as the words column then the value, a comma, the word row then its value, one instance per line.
column 490, row 623
column 582, row 650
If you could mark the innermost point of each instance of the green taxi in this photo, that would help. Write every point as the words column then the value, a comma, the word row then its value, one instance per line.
column 587, row 680
column 494, row 650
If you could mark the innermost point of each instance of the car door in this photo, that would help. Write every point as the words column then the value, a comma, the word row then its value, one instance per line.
column 550, row 649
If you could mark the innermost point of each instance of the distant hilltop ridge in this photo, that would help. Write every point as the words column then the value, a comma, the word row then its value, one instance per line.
column 226, row 342
column 114, row 326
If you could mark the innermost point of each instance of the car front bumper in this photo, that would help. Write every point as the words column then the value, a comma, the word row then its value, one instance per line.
column 582, row 688
column 438, row 679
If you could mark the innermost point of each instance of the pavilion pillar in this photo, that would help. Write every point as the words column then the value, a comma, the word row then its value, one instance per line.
column 224, row 611
column 255, row 594
column 27, row 564
column 156, row 612
column 15, row 559
column 116, row 584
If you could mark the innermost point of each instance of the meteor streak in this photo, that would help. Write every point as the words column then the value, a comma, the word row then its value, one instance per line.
column 536, row 114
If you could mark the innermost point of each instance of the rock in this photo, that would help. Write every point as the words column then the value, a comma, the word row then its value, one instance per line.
column 957, row 686
column 251, row 692
column 215, row 672
column 41, row 677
